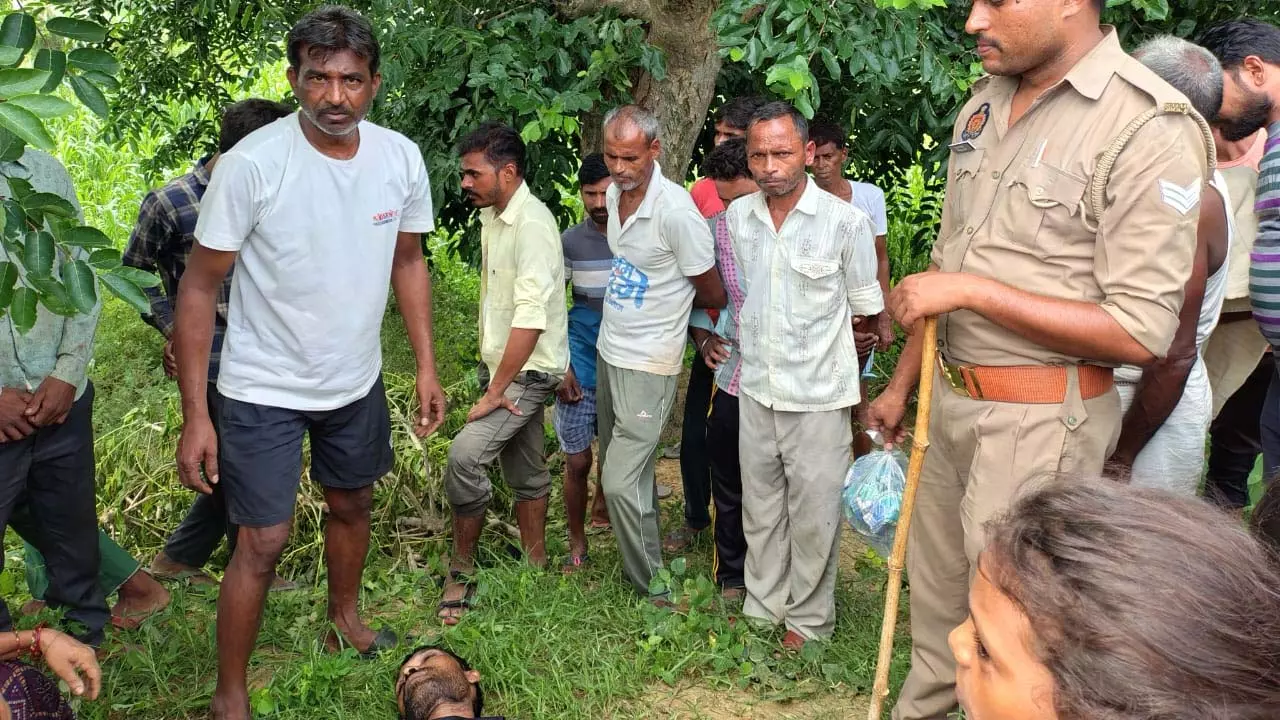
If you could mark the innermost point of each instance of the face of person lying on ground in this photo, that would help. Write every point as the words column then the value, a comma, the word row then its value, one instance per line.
column 432, row 679
column 998, row 675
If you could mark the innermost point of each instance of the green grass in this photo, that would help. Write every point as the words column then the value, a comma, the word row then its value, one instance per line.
column 547, row 646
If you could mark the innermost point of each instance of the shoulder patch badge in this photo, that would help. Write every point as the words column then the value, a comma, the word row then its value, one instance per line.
column 977, row 123
column 1182, row 199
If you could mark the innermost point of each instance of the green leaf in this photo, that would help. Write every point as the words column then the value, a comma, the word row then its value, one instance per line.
column 49, row 203
column 18, row 31
column 102, row 80
column 22, row 309
column 531, row 132
column 11, row 146
column 86, row 237
column 44, row 106
column 8, row 277
column 94, row 59
column 829, row 59
column 90, row 95
column 20, row 81
column 53, row 294
column 55, row 61
column 105, row 259
column 81, row 286
column 19, row 188
column 37, row 253
column 141, row 278
column 10, row 56
column 804, row 106
column 24, row 123
column 126, row 291
column 15, row 220
column 77, row 29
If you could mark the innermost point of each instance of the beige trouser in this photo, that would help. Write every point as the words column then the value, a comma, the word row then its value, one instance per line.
column 631, row 410
column 1231, row 354
column 516, row 441
column 981, row 456
column 793, row 468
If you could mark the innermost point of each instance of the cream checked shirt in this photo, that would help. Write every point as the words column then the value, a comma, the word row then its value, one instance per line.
column 802, row 283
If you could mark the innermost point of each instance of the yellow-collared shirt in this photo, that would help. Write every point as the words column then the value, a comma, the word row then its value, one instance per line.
column 522, row 283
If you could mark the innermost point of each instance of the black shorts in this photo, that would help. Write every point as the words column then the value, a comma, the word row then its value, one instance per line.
column 260, row 453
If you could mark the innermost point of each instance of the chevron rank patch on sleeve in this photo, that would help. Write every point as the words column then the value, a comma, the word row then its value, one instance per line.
column 1182, row 199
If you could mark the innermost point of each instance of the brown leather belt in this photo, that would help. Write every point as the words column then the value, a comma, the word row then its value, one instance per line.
column 1035, row 384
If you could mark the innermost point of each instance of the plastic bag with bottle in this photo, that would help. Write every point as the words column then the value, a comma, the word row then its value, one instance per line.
column 872, row 495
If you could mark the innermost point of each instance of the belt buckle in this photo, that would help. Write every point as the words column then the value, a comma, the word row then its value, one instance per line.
column 961, row 379
column 953, row 377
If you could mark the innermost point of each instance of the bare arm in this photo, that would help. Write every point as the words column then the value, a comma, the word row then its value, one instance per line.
column 520, row 345
column 708, row 290
column 412, row 285
column 193, row 336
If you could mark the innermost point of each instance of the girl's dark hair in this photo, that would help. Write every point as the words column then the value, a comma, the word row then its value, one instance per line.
column 1144, row 605
column 329, row 29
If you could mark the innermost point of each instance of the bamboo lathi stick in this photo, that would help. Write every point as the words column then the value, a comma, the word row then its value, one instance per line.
column 920, row 444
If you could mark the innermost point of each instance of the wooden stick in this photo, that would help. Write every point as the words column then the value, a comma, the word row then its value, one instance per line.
column 928, row 358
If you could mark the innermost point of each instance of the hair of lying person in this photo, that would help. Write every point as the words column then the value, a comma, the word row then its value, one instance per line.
column 478, row 705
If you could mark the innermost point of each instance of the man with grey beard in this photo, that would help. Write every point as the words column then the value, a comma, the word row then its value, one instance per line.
column 321, row 214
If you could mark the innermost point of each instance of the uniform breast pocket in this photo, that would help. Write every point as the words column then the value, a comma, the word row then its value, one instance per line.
column 965, row 167
column 816, row 287
column 1046, row 207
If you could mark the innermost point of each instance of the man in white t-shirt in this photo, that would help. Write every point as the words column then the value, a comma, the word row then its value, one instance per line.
column 664, row 265
column 320, row 213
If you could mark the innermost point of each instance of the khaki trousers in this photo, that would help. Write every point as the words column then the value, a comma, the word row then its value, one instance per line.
column 1231, row 354
column 631, row 410
column 517, row 442
column 793, row 468
column 982, row 455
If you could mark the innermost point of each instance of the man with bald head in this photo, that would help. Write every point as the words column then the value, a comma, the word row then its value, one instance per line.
column 664, row 265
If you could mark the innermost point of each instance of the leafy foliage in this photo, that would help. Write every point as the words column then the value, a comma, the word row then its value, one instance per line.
column 43, row 244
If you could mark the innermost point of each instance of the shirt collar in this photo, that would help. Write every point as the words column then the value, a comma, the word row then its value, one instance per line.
column 807, row 204
column 651, row 193
column 1092, row 72
column 514, row 207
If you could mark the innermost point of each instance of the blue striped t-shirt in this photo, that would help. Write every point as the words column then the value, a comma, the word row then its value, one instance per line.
column 1264, row 265
column 588, row 261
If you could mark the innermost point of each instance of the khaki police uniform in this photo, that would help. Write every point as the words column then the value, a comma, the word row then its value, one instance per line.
column 1016, row 210
column 1234, row 349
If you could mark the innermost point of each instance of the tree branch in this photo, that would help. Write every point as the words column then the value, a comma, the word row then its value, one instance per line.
column 640, row 9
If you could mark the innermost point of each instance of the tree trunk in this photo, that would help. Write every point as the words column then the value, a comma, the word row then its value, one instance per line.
column 681, row 29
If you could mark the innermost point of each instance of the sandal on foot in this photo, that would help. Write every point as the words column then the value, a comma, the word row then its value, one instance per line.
column 386, row 639
column 463, row 603
column 574, row 563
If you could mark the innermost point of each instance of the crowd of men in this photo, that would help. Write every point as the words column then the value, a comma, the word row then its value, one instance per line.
column 1096, row 278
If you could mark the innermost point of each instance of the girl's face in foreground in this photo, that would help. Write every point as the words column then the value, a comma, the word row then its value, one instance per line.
column 998, row 676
